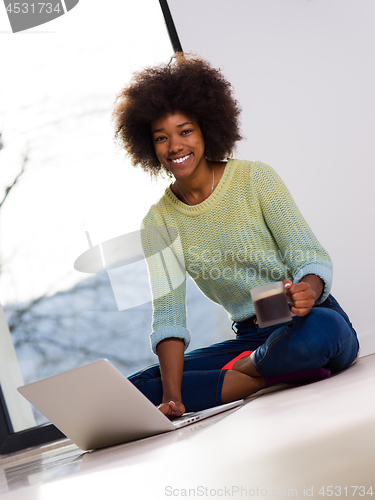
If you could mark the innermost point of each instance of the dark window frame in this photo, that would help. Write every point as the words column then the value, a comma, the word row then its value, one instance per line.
column 175, row 41
column 10, row 441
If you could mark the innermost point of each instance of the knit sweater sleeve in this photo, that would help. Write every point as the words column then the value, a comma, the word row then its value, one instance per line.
column 167, row 275
column 299, row 248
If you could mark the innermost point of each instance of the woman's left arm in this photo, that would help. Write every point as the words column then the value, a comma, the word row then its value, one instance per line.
column 303, row 295
column 307, row 263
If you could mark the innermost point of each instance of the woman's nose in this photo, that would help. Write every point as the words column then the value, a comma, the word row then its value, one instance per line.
column 175, row 145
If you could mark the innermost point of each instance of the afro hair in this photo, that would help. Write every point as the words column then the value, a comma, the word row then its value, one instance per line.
column 186, row 84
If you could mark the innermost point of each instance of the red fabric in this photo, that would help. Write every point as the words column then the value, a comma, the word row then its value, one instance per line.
column 229, row 366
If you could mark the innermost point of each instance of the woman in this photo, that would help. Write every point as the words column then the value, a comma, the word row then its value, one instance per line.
column 232, row 225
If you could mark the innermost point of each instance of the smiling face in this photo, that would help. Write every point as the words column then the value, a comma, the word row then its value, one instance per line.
column 179, row 144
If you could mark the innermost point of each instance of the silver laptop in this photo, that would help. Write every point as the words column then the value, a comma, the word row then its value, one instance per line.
column 95, row 406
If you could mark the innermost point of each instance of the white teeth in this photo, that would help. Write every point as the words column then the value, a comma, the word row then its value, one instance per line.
column 180, row 160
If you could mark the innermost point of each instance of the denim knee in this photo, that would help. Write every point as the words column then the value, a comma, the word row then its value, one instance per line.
column 322, row 338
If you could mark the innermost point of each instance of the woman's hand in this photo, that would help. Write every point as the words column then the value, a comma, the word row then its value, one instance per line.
column 172, row 409
column 303, row 295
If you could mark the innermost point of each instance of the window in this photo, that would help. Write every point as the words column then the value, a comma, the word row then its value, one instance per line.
column 65, row 187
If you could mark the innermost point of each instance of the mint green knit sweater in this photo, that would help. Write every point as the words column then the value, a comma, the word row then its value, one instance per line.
column 247, row 233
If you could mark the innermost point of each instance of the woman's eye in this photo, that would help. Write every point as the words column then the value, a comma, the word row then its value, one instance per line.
column 159, row 139
column 186, row 131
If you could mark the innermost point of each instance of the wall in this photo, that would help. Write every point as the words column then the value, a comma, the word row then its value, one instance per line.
column 304, row 73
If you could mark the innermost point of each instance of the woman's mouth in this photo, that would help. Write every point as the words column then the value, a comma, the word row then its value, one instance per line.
column 182, row 159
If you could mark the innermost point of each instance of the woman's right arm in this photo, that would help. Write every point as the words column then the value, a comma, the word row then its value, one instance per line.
column 171, row 359
column 170, row 336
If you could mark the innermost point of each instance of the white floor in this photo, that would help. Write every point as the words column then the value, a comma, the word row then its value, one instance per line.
column 287, row 443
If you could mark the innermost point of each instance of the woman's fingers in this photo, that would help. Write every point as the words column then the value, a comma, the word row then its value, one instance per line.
column 300, row 296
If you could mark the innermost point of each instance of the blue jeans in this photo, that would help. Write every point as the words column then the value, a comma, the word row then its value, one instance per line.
column 323, row 338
